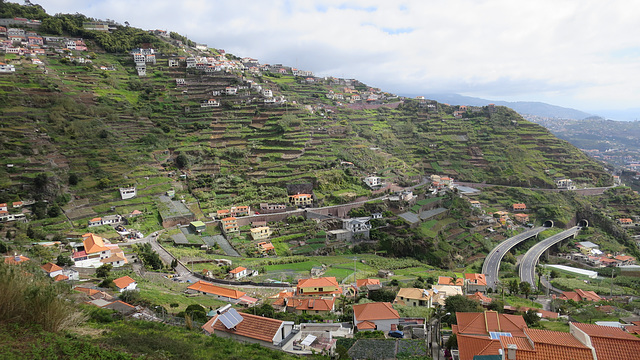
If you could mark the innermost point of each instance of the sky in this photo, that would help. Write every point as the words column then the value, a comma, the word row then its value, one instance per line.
column 583, row 54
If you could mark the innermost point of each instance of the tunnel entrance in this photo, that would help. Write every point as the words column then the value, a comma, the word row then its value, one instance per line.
column 548, row 224
column 583, row 223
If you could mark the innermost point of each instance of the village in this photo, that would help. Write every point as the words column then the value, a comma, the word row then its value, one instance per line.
column 297, row 275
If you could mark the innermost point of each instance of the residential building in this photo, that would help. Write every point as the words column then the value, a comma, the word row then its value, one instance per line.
column 375, row 316
column 481, row 298
column 261, row 233
column 370, row 284
column 519, row 207
column 358, row 227
column 580, row 295
column 442, row 292
column 220, row 293
column 373, row 181
column 565, row 184
column 91, row 252
column 301, row 200
column 521, row 218
column 15, row 259
column 128, row 192
column 52, row 269
column 475, row 283
column 271, row 333
column 229, row 225
column 625, row 221
column 414, row 297
column 210, row 103
column 608, row 343
column 324, row 286
column 484, row 323
column 448, row 280
column 311, row 306
column 266, row 248
column 238, row 273
column 125, row 283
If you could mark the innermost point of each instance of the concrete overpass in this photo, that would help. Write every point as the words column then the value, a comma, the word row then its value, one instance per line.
column 527, row 269
column 491, row 265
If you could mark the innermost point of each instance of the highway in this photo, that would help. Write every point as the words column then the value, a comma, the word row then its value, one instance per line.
column 491, row 264
column 528, row 263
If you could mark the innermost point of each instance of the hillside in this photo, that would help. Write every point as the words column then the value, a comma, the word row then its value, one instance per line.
column 110, row 128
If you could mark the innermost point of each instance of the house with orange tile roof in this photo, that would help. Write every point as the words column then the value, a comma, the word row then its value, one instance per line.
column 521, row 218
column 414, row 297
column 442, row 292
column 15, row 260
column 266, row 248
column 318, row 287
column 481, row 298
column 475, row 283
column 370, row 284
column 625, row 259
column 608, row 343
column 482, row 323
column 311, row 306
column 3, row 207
column 125, row 283
column 448, row 280
column 238, row 273
column 52, row 269
column 93, row 250
column 219, row 292
column 271, row 333
column 301, row 200
column 580, row 295
column 519, row 207
column 543, row 345
column 625, row 221
column 375, row 316
column 229, row 225
column 470, row 346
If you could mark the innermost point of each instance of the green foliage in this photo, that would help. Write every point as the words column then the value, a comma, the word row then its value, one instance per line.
column 531, row 318
column 104, row 271
column 64, row 260
column 459, row 303
column 373, row 334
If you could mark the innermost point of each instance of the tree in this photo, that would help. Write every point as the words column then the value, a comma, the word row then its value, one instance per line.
column 525, row 288
column 182, row 161
column 130, row 296
column 513, row 287
column 174, row 263
column 459, row 303
column 531, row 317
column 496, row 305
column 104, row 271
column 64, row 261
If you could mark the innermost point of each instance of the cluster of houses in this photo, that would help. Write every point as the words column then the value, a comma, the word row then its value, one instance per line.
column 590, row 254
column 17, row 213
column 26, row 42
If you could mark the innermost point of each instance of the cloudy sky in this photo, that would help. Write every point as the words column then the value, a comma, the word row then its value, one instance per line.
column 575, row 53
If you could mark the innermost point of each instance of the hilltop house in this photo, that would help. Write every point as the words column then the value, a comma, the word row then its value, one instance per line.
column 229, row 225
column 373, row 181
column 358, row 227
column 475, row 283
column 519, row 207
column 95, row 252
column 128, row 192
column 239, row 272
column 266, row 248
column 310, row 306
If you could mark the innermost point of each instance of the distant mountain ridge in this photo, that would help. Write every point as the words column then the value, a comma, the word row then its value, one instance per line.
column 522, row 107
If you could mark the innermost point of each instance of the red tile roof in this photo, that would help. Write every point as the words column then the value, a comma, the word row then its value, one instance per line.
column 579, row 295
column 366, row 325
column 15, row 260
column 480, row 297
column 85, row 290
column 93, row 243
column 314, row 304
column 60, row 277
column 251, row 326
column 476, row 279
column 123, row 282
column 365, row 282
column 485, row 322
column 209, row 288
column 545, row 345
column 318, row 283
column 471, row 345
column 446, row 280
column 238, row 270
column 50, row 267
column 611, row 343
column 374, row 311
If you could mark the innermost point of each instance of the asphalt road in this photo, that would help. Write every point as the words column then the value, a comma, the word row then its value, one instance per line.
column 530, row 259
column 491, row 264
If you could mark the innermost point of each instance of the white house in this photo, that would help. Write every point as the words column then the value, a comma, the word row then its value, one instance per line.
column 230, row 90
column 128, row 192
column 375, row 316
column 125, row 283
column 239, row 272
column 267, row 93
column 373, row 181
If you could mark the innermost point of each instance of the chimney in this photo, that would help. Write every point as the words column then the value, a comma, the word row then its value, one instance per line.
column 511, row 351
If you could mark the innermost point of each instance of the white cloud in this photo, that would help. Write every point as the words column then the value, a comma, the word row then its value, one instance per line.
column 567, row 52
